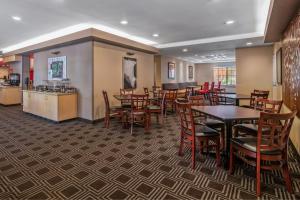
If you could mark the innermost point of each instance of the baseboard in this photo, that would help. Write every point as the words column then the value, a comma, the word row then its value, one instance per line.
column 91, row 121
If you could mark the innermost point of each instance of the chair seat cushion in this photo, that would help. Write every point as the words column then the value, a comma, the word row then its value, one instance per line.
column 253, row 128
column 249, row 143
column 153, row 107
column 204, row 131
column 209, row 122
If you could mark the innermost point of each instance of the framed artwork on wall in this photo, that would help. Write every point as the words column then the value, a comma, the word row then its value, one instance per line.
column 190, row 72
column 57, row 68
column 129, row 73
column 171, row 70
column 279, row 66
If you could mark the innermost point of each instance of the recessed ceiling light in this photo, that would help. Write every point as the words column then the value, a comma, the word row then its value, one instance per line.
column 196, row 54
column 229, row 22
column 155, row 35
column 185, row 50
column 124, row 22
column 16, row 18
column 249, row 43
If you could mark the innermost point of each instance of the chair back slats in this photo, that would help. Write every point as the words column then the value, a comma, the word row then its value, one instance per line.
column 255, row 96
column 198, row 100
column 267, row 105
column 184, row 112
column 188, row 92
column 139, row 102
column 275, row 129
column 212, row 86
column 214, row 98
column 171, row 95
column 146, row 91
column 107, row 107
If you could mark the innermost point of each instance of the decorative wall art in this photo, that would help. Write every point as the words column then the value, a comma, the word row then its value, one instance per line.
column 291, row 65
column 57, row 68
column 190, row 72
column 171, row 70
column 129, row 73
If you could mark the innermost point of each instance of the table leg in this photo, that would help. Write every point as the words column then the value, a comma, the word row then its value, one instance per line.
column 228, row 136
column 237, row 102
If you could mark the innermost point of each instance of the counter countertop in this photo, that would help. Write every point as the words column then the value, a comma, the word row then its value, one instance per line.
column 50, row 93
column 9, row 86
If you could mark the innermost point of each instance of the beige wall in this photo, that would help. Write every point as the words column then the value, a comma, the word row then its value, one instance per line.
column 181, row 70
column 254, row 69
column 277, row 94
column 204, row 72
column 108, row 73
column 79, row 71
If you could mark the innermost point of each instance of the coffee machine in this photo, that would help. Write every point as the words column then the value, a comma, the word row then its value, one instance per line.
column 14, row 79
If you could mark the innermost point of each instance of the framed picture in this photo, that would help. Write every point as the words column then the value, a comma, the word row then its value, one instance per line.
column 171, row 70
column 279, row 66
column 129, row 73
column 190, row 72
column 57, row 68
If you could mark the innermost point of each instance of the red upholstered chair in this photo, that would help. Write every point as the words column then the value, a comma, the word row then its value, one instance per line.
column 267, row 151
column 205, row 89
column 212, row 87
column 218, row 88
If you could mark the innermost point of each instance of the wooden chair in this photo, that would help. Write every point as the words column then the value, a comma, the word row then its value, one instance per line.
column 111, row 111
column 126, row 102
column 257, row 94
column 156, row 90
column 199, row 100
column 212, row 87
column 138, row 112
column 205, row 89
column 251, row 129
column 157, row 108
column 188, row 92
column 171, row 96
column 218, row 88
column 269, row 149
column 190, row 133
column 146, row 91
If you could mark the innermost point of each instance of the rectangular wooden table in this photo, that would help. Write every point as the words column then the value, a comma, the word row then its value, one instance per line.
column 236, row 97
column 228, row 114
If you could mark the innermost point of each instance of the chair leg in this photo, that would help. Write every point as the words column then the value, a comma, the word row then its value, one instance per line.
column 222, row 146
column 193, row 154
column 131, row 124
column 181, row 144
column 258, row 192
column 218, row 152
column 235, row 132
column 287, row 178
column 231, row 160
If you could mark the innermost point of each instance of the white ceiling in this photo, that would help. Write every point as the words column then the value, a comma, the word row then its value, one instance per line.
column 199, row 21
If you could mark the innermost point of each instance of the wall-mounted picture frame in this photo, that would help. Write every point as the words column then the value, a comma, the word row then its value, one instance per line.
column 129, row 73
column 279, row 66
column 57, row 68
column 171, row 70
column 190, row 72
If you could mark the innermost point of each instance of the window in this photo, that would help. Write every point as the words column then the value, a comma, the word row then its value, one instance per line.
column 227, row 75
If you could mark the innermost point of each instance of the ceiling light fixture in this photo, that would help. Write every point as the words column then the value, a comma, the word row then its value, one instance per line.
column 185, row 50
column 16, row 18
column 155, row 35
column 229, row 22
column 74, row 29
column 124, row 22
column 249, row 43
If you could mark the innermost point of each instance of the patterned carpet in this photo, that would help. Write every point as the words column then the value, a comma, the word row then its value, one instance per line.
column 76, row 160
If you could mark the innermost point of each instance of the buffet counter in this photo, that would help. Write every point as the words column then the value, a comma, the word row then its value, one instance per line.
column 55, row 106
column 10, row 95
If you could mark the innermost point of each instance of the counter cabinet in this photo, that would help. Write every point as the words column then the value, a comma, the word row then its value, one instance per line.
column 54, row 106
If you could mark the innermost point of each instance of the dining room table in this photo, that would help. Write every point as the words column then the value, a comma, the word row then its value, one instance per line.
column 236, row 97
column 228, row 114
